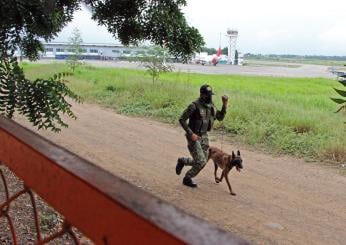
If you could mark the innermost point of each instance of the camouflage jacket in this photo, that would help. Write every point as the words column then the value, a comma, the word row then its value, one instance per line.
column 201, row 117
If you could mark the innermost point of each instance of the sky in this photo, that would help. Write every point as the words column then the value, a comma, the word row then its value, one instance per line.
column 303, row 27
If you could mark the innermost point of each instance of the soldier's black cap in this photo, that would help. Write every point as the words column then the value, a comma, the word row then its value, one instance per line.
column 206, row 89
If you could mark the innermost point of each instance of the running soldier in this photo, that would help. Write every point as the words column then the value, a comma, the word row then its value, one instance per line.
column 201, row 115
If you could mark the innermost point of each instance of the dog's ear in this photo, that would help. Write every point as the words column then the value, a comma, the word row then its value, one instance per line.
column 233, row 155
column 238, row 153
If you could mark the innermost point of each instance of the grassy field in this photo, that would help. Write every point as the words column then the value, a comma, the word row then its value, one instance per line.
column 281, row 115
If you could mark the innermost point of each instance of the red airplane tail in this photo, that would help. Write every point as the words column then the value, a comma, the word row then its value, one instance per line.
column 218, row 54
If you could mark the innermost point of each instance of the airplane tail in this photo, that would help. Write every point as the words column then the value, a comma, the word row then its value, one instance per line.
column 218, row 54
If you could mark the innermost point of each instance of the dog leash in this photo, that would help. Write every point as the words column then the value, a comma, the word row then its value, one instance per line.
column 222, row 134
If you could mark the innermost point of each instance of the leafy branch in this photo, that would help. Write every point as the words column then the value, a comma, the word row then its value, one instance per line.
column 23, row 24
column 41, row 101
column 342, row 93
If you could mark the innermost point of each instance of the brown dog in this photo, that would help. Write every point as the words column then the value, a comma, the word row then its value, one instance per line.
column 226, row 162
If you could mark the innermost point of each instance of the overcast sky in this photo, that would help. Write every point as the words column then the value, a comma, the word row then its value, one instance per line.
column 265, row 26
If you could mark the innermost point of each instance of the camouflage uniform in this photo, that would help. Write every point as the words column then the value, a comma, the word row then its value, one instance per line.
column 201, row 117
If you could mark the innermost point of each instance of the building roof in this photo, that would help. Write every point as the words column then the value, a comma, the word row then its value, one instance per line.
column 86, row 44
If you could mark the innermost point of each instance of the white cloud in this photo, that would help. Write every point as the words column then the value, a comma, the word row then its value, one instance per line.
column 90, row 30
column 334, row 38
column 335, row 35
column 265, row 26
column 272, row 26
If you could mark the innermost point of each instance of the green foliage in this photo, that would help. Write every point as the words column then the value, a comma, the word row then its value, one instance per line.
column 236, row 57
column 24, row 23
column 342, row 93
column 75, row 46
column 281, row 115
column 111, row 88
column 154, row 62
column 160, row 22
column 41, row 101
column 210, row 51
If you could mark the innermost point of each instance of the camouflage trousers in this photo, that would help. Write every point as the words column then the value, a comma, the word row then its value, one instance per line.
column 199, row 152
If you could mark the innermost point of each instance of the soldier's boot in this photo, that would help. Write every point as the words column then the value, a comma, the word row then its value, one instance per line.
column 179, row 166
column 188, row 182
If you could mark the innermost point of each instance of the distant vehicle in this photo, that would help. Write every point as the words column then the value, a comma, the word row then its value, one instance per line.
column 336, row 72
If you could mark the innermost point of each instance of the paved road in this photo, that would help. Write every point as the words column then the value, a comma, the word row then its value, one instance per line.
column 266, row 69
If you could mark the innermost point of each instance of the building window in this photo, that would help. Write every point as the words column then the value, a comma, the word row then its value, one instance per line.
column 71, row 50
column 94, row 51
column 127, row 52
column 49, row 49
column 83, row 50
column 115, row 51
column 60, row 50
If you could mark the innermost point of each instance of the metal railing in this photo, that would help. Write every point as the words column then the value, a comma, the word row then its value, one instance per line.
column 11, row 201
column 104, row 207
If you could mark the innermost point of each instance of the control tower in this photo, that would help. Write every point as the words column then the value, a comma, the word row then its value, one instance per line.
column 232, row 45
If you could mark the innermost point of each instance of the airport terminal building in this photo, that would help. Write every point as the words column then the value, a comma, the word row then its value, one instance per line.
column 61, row 50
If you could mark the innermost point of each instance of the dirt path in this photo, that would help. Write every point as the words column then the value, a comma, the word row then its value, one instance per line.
column 280, row 200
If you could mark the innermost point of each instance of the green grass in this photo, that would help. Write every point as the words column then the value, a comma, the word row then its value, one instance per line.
column 282, row 115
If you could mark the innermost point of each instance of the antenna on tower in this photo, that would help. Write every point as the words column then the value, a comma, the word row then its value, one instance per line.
column 220, row 40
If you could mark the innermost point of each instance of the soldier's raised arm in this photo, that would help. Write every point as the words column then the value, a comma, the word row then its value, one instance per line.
column 185, row 116
column 220, row 115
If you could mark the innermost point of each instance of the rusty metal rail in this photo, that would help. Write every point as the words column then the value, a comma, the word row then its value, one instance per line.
column 106, row 208
column 5, row 207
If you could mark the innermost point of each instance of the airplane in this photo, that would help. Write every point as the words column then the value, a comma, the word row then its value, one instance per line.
column 204, row 58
